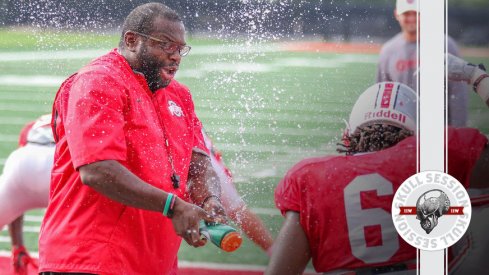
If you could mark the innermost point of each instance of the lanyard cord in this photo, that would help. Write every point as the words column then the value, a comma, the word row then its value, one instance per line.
column 175, row 178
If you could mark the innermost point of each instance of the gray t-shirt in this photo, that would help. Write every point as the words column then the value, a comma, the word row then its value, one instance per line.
column 397, row 62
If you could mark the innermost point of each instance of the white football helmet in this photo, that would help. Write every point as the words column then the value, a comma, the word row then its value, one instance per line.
column 41, row 132
column 389, row 103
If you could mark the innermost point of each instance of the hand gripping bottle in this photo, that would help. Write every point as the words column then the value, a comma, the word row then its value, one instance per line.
column 221, row 235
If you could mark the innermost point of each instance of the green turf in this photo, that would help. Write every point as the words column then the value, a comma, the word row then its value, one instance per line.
column 264, row 122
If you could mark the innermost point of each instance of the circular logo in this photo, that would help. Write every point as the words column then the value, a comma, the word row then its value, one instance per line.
column 431, row 210
column 174, row 109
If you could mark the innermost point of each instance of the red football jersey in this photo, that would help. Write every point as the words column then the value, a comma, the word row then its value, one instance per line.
column 345, row 201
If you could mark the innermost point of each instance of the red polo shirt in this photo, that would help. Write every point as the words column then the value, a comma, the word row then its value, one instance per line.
column 107, row 112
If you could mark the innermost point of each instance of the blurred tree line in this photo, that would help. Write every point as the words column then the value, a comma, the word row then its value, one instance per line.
column 261, row 19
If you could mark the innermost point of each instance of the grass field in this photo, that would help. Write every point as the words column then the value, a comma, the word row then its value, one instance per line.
column 265, row 108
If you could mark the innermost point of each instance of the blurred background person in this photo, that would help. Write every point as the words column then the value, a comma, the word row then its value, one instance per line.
column 24, row 185
column 398, row 61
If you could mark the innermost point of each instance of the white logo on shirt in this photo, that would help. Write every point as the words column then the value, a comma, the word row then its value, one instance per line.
column 174, row 109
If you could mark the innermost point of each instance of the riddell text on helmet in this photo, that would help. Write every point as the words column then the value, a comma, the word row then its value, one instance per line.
column 385, row 114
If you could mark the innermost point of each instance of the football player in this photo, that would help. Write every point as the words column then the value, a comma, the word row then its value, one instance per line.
column 337, row 208
column 24, row 184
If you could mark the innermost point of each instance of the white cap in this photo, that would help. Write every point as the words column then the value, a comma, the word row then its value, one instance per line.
column 403, row 6
column 389, row 103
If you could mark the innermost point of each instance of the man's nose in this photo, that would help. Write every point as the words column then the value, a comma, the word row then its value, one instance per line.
column 412, row 18
column 175, row 56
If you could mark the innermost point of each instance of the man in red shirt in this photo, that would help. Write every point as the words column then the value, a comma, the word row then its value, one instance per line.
column 127, row 143
column 337, row 208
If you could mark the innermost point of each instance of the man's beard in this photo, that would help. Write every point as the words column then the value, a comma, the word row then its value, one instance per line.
column 150, row 68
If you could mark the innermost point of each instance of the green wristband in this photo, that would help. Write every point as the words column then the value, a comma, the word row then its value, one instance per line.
column 167, row 204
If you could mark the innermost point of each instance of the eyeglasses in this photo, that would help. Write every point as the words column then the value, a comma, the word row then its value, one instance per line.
column 167, row 46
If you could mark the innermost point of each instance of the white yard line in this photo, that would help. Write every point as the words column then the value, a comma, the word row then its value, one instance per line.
column 31, row 80
column 27, row 228
column 9, row 138
column 14, row 120
column 6, row 253
column 49, row 55
column 32, row 218
column 25, row 107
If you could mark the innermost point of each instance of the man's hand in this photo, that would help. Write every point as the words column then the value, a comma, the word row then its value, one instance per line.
column 186, row 218
column 459, row 69
column 214, row 207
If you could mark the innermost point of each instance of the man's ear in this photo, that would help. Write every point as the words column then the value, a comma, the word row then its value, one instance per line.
column 396, row 16
column 130, row 41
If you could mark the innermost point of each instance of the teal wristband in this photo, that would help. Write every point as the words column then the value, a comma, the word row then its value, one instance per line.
column 167, row 204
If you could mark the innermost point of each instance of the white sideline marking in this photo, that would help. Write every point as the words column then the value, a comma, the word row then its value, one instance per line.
column 14, row 120
column 49, row 55
column 23, row 97
column 31, row 80
column 5, row 253
column 9, row 138
column 30, row 229
column 32, row 218
column 25, row 107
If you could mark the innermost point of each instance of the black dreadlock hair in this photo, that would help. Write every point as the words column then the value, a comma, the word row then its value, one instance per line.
column 372, row 138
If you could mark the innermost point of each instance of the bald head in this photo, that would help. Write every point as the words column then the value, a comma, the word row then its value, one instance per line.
column 141, row 19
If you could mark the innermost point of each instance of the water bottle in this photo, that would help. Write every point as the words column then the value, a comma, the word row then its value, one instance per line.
column 221, row 235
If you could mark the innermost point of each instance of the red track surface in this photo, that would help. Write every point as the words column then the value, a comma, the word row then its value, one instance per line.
column 6, row 269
